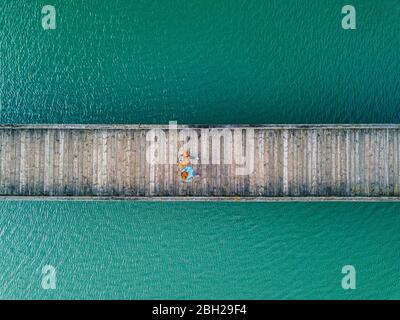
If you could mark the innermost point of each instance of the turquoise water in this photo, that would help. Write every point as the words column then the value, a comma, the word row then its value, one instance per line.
column 253, row 61
column 199, row 250
column 199, row 62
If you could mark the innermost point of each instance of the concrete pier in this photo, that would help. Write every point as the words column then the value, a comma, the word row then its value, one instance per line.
column 250, row 162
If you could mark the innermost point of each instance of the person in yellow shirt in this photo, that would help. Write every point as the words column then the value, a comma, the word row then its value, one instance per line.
column 184, row 159
column 186, row 170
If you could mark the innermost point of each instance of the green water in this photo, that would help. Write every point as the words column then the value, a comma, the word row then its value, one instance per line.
column 199, row 62
column 198, row 250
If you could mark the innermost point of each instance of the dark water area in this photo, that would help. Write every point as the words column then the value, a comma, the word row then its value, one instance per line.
column 206, row 62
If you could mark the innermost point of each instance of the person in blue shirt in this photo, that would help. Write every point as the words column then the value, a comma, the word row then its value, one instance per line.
column 187, row 174
column 186, row 170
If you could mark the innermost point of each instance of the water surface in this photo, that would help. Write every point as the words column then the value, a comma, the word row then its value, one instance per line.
column 253, row 61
